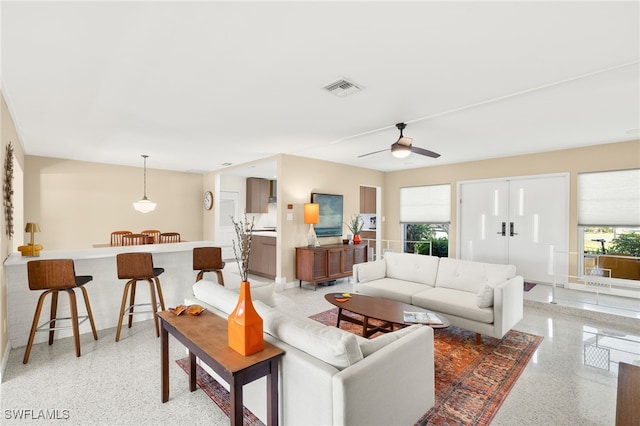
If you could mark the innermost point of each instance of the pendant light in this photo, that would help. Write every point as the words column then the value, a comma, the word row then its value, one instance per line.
column 144, row 205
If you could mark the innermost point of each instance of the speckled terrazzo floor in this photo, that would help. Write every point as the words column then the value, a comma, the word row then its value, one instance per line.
column 119, row 383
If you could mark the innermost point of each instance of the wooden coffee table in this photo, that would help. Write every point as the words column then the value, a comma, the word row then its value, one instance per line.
column 205, row 336
column 389, row 311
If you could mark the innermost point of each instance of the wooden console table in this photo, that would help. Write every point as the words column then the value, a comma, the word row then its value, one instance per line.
column 328, row 263
column 205, row 336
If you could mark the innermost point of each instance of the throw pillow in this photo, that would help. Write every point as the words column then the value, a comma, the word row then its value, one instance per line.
column 484, row 298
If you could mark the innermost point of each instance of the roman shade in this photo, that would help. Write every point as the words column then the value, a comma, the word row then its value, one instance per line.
column 425, row 204
column 609, row 198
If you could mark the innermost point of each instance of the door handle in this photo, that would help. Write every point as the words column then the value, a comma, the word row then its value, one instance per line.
column 504, row 229
column 511, row 233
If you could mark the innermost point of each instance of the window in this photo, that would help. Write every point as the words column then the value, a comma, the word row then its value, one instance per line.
column 425, row 214
column 609, row 223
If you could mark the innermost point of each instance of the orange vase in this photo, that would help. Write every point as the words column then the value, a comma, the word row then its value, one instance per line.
column 356, row 239
column 245, row 325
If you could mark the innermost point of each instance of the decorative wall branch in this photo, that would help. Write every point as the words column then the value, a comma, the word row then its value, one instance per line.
column 8, row 190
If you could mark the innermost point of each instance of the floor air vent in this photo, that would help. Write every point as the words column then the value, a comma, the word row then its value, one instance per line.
column 342, row 87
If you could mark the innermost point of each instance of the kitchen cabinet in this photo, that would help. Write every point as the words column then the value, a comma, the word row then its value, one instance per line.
column 367, row 199
column 258, row 190
column 262, row 261
column 328, row 263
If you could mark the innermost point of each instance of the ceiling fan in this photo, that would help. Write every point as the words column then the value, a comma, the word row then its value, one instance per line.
column 403, row 147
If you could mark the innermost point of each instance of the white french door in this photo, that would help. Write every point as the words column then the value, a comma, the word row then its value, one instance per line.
column 518, row 221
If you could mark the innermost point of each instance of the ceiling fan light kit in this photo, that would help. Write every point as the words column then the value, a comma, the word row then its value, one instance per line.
column 404, row 146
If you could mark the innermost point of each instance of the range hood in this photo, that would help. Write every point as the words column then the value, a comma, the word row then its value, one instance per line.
column 273, row 191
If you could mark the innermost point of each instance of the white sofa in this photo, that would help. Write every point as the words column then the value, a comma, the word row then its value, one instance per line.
column 481, row 297
column 332, row 377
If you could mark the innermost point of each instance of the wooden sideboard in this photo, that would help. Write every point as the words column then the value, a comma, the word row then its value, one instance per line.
column 328, row 263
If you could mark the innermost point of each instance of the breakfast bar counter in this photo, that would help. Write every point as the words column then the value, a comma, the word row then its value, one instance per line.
column 105, row 291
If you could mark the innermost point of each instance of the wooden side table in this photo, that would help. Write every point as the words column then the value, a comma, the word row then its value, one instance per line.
column 205, row 336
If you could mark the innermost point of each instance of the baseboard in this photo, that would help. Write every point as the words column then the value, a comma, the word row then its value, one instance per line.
column 5, row 360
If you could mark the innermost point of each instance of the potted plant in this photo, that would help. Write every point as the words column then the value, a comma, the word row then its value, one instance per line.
column 244, row 324
column 355, row 225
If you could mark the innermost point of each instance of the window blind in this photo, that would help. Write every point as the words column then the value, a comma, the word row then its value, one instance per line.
column 609, row 198
column 425, row 204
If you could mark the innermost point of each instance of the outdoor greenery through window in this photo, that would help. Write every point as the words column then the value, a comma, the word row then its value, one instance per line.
column 419, row 236
column 612, row 240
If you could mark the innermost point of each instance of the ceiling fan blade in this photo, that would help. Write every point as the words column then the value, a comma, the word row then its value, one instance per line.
column 374, row 152
column 423, row 151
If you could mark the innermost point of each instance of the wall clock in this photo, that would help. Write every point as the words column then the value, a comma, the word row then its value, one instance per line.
column 207, row 200
column 8, row 189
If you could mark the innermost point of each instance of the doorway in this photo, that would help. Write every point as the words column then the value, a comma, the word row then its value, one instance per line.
column 518, row 221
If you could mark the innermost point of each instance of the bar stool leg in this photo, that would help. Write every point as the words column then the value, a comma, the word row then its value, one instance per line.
column 73, row 307
column 52, row 315
column 220, row 277
column 199, row 276
column 132, row 301
column 154, row 305
column 89, row 313
column 34, row 326
column 123, row 306
column 159, row 291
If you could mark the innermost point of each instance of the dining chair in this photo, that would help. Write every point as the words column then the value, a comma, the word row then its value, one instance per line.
column 153, row 233
column 208, row 259
column 116, row 237
column 54, row 276
column 135, row 239
column 169, row 237
column 136, row 267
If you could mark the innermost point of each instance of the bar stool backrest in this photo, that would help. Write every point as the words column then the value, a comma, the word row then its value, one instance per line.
column 134, row 265
column 207, row 258
column 53, row 273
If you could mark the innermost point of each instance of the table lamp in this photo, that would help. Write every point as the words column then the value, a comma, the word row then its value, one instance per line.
column 31, row 249
column 312, row 217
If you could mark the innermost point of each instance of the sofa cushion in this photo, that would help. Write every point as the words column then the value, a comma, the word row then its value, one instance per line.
column 214, row 294
column 484, row 298
column 336, row 347
column 391, row 288
column 371, row 271
column 369, row 346
column 471, row 276
column 454, row 302
column 412, row 267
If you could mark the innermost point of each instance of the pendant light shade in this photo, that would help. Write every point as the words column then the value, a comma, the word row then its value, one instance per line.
column 144, row 205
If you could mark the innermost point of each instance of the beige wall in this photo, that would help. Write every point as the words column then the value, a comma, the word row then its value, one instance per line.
column 8, row 134
column 78, row 204
column 297, row 178
column 617, row 156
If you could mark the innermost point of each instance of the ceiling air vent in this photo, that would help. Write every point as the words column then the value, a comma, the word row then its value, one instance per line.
column 342, row 87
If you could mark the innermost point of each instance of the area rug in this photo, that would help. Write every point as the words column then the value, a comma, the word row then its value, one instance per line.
column 471, row 380
column 528, row 286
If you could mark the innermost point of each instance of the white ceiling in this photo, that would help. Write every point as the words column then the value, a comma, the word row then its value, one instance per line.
column 196, row 85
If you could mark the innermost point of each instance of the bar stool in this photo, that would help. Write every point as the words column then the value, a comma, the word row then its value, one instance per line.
column 137, row 267
column 208, row 259
column 54, row 276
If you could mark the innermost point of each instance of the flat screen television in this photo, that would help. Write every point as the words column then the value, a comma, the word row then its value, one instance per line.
column 330, row 223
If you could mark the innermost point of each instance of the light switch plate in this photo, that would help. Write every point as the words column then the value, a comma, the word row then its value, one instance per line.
column 289, row 216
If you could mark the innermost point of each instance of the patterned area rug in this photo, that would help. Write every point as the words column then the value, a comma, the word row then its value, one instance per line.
column 471, row 380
